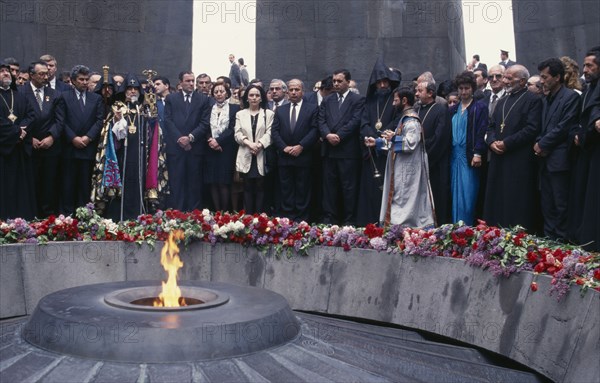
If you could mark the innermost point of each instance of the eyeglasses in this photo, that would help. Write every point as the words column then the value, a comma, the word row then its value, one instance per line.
column 274, row 88
column 496, row 76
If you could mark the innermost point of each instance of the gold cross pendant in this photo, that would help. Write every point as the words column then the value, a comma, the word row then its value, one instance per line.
column 502, row 127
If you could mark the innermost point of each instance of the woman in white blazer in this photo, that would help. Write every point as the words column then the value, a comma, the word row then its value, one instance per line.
column 253, row 134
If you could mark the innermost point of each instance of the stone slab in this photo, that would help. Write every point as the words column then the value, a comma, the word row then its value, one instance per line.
column 327, row 35
column 61, row 265
column 542, row 348
column 239, row 265
column 434, row 294
column 587, row 348
column 12, row 297
column 309, row 292
column 365, row 284
column 554, row 28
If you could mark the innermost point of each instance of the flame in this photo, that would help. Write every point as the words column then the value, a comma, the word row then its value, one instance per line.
column 170, row 261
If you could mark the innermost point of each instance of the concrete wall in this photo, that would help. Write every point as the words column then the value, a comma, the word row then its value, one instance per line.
column 310, row 39
column 128, row 36
column 555, row 28
column 559, row 339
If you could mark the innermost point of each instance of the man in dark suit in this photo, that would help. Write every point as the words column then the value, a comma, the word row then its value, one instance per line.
column 53, row 81
column 559, row 117
column 294, row 134
column 45, row 134
column 187, row 122
column 325, row 89
column 481, row 77
column 279, row 91
column 234, row 73
column 339, row 125
column 161, row 88
column 504, row 60
column 80, row 114
column 476, row 64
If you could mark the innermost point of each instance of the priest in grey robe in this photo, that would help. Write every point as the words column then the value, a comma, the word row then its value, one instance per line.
column 407, row 198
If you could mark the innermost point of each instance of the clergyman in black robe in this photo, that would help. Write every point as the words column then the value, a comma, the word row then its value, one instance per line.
column 17, row 193
column 584, row 198
column 511, row 193
column 438, row 137
column 378, row 113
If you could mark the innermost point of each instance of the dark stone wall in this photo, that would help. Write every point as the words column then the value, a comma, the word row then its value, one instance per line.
column 310, row 39
column 128, row 36
column 555, row 28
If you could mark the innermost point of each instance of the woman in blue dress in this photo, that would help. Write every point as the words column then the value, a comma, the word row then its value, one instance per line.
column 469, row 122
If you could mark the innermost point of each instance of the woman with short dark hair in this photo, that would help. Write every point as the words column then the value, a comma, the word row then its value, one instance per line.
column 222, row 149
column 469, row 122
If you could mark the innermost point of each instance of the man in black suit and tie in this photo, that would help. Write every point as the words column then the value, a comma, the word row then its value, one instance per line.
column 80, row 114
column 294, row 134
column 187, row 122
column 339, row 125
column 45, row 133
column 559, row 117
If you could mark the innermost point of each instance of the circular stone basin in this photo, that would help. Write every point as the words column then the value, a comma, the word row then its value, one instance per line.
column 142, row 298
column 100, row 322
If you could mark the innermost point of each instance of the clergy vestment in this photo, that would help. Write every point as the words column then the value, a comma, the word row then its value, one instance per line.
column 438, row 137
column 406, row 192
column 584, row 200
column 511, row 192
column 17, row 198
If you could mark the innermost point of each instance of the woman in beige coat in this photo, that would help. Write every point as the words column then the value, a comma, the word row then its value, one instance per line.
column 253, row 134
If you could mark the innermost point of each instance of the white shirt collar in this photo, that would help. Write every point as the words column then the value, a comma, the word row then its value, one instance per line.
column 34, row 88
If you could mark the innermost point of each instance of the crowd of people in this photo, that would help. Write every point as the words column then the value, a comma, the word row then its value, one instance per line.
column 498, row 144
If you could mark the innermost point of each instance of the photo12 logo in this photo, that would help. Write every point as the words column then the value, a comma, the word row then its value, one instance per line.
column 269, row 11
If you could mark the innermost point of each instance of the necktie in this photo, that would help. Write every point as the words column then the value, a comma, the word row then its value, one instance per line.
column 340, row 101
column 81, row 102
column 493, row 104
column 38, row 97
column 274, row 106
column 187, row 104
column 293, row 119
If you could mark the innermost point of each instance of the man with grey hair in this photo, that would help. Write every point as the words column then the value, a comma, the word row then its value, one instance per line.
column 495, row 76
column 53, row 82
column 438, row 140
column 428, row 78
column 511, row 194
column 279, row 91
column 294, row 134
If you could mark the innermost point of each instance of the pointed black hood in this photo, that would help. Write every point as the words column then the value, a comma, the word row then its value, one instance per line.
column 381, row 71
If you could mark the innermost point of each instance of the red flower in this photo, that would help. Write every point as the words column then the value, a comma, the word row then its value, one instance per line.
column 597, row 274
column 534, row 286
column 540, row 267
column 373, row 231
column 532, row 257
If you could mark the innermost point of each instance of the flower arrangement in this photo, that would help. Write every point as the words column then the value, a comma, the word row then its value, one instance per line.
column 502, row 251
